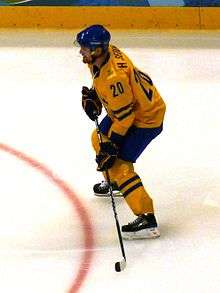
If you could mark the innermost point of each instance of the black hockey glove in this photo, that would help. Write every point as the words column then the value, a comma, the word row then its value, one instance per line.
column 91, row 103
column 107, row 155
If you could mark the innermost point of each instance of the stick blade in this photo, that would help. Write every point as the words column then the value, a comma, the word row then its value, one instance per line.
column 120, row 265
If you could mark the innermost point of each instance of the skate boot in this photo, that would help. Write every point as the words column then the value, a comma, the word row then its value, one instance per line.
column 102, row 189
column 145, row 226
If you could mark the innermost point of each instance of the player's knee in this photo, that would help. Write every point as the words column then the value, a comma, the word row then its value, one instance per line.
column 121, row 170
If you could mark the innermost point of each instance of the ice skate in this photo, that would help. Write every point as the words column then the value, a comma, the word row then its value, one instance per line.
column 144, row 226
column 102, row 189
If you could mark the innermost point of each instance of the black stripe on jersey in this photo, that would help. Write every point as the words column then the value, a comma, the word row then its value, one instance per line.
column 125, row 115
column 104, row 101
column 128, row 181
column 132, row 189
column 122, row 109
column 122, row 65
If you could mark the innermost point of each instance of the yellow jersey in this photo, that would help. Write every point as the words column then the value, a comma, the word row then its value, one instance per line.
column 127, row 94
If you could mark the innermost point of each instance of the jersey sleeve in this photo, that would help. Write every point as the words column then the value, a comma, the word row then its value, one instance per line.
column 121, row 106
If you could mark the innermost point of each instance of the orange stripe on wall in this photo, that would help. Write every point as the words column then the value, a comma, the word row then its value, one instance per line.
column 112, row 17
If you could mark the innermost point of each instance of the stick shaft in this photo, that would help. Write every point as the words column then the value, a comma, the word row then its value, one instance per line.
column 112, row 198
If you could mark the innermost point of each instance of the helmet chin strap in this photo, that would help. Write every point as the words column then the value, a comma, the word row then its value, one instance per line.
column 95, row 57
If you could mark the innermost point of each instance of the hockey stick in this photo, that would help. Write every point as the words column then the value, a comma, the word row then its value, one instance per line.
column 119, row 265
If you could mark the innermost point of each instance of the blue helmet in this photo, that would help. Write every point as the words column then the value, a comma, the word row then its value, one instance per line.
column 93, row 37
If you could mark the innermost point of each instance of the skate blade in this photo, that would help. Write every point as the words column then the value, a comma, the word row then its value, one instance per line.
column 115, row 194
column 150, row 233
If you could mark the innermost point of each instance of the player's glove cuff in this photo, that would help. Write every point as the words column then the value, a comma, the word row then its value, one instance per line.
column 107, row 155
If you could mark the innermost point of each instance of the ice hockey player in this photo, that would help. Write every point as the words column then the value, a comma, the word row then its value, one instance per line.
column 135, row 114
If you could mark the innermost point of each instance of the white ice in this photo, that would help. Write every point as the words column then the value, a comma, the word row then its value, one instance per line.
column 41, row 237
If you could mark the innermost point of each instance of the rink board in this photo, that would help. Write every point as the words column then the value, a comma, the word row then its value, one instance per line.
column 112, row 17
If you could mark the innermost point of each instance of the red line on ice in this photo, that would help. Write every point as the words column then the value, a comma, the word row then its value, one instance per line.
column 83, row 215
